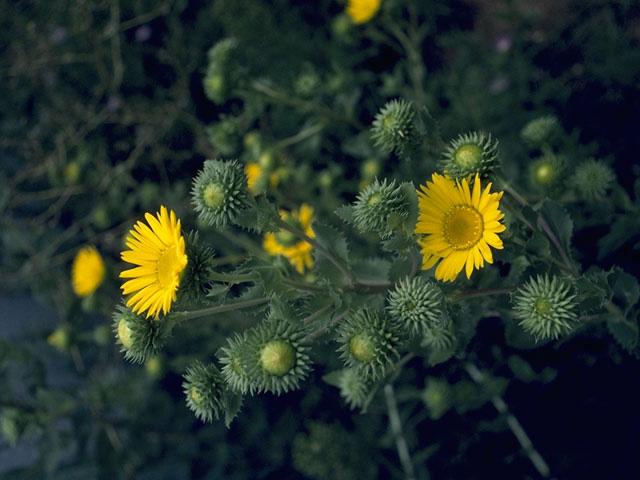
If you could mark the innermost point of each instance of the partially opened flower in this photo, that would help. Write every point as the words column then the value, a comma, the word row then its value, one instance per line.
column 458, row 226
column 285, row 243
column 158, row 250
column 87, row 271
column 361, row 11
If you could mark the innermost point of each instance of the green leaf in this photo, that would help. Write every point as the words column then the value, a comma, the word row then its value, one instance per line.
column 594, row 290
column 232, row 406
column 409, row 223
column 270, row 276
column 345, row 213
column 400, row 268
column 333, row 378
column 376, row 269
column 621, row 232
column 625, row 333
column 336, row 244
column 538, row 244
column 398, row 243
column 437, row 357
column 559, row 222
column 217, row 290
column 518, row 266
column 625, row 289
column 428, row 129
column 260, row 218
column 516, row 337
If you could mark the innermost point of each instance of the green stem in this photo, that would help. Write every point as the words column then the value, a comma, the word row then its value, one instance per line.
column 205, row 312
column 304, row 286
column 483, row 292
column 612, row 308
column 233, row 277
column 308, row 320
column 323, row 251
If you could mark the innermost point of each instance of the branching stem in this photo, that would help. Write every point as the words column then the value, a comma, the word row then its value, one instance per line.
column 205, row 312
column 396, row 428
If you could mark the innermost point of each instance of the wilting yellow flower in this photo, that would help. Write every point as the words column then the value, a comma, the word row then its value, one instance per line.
column 287, row 244
column 87, row 271
column 361, row 11
column 459, row 225
column 159, row 251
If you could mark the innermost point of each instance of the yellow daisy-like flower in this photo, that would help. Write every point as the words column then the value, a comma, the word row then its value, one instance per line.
column 459, row 225
column 87, row 271
column 159, row 251
column 287, row 244
column 361, row 11
column 253, row 171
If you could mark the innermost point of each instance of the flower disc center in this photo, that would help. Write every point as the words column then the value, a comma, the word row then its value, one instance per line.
column 463, row 227
column 213, row 196
column 468, row 155
column 170, row 264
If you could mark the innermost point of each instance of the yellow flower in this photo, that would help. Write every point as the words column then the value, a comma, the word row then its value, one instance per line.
column 459, row 225
column 287, row 244
column 87, row 271
column 159, row 251
column 253, row 171
column 361, row 11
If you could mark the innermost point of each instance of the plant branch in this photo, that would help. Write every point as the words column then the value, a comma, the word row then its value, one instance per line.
column 396, row 428
column 525, row 442
column 205, row 312
column 482, row 293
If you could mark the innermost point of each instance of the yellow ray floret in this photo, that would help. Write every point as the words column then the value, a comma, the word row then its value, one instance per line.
column 285, row 243
column 87, row 271
column 361, row 11
column 158, row 250
column 457, row 225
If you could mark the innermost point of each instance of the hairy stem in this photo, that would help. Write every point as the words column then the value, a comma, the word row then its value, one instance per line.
column 525, row 442
column 483, row 292
column 396, row 427
column 205, row 312
column 233, row 277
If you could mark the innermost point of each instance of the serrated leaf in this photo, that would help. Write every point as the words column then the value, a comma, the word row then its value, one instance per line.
column 217, row 290
column 624, row 332
column 518, row 266
column 559, row 222
column 400, row 268
column 594, row 290
column 397, row 243
column 333, row 378
column 376, row 269
column 345, row 213
column 622, row 231
column 232, row 406
column 538, row 244
column 427, row 128
column 336, row 244
column 516, row 337
column 625, row 289
column 270, row 276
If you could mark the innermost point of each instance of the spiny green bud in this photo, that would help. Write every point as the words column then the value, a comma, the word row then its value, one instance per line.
column 224, row 136
column 540, row 130
column 393, row 128
column 545, row 173
column 471, row 153
column 219, row 192
column 139, row 337
column 380, row 208
column 547, row 307
column 437, row 397
column 416, row 305
column 308, row 81
column 353, row 388
column 233, row 369
column 275, row 357
column 368, row 343
column 204, row 389
column 194, row 283
column 592, row 179
column 60, row 338
column 223, row 70
column 439, row 337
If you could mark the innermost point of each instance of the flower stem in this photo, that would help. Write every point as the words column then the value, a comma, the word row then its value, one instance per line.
column 515, row 426
column 205, row 312
column 481, row 293
column 396, row 427
column 304, row 237
column 317, row 314
column 233, row 277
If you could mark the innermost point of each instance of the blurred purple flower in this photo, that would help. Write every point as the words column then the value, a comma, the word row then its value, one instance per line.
column 143, row 33
column 113, row 103
column 503, row 43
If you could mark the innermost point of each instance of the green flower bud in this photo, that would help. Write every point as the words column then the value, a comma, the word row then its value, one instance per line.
column 139, row 337
column 231, row 357
column 223, row 71
column 471, row 153
column 60, row 338
column 370, row 169
column 439, row 337
column 540, row 130
column 204, row 389
column 368, row 343
column 12, row 425
column 547, row 307
column 592, row 179
column 220, row 192
column 416, row 306
column 546, row 173
column 353, row 388
column 437, row 397
column 194, row 283
column 308, row 82
column 380, row 208
column 224, row 135
column 155, row 367
column 275, row 356
column 393, row 128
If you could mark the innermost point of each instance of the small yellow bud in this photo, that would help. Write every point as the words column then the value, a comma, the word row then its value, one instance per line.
column 362, row 348
column 277, row 357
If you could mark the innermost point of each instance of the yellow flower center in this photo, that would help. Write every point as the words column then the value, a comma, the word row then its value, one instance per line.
column 213, row 195
column 374, row 198
column 278, row 357
column 124, row 334
column 170, row 264
column 543, row 172
column 468, row 155
column 195, row 396
column 362, row 348
column 463, row 227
